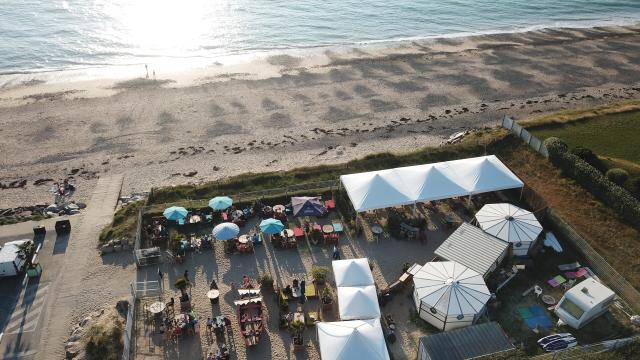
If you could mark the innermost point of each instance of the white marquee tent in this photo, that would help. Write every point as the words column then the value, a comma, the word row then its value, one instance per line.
column 358, row 339
column 449, row 295
column 358, row 302
column 409, row 185
column 510, row 223
column 352, row 272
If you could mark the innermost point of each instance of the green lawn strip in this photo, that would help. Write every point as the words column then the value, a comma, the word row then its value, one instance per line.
column 614, row 135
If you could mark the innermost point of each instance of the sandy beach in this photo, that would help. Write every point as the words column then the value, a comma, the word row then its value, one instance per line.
column 298, row 109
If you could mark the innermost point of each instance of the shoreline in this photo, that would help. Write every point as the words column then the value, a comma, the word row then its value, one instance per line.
column 99, row 81
column 290, row 111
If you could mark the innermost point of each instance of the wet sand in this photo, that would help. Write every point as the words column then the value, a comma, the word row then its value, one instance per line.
column 286, row 110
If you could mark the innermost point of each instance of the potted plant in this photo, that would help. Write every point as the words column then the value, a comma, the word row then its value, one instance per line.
column 319, row 274
column 297, row 329
column 265, row 281
column 230, row 246
column 316, row 236
column 326, row 298
column 182, row 284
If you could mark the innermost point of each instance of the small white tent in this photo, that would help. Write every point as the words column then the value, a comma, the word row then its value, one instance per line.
column 358, row 339
column 352, row 272
column 358, row 302
column 510, row 223
column 449, row 295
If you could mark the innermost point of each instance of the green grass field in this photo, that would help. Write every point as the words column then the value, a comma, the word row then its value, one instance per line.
column 615, row 136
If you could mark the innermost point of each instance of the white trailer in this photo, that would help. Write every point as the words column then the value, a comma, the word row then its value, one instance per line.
column 10, row 263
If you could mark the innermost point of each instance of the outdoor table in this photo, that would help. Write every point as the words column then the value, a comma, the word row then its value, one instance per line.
column 337, row 227
column 195, row 219
column 243, row 239
column 376, row 230
column 213, row 295
column 157, row 307
column 287, row 232
column 298, row 316
column 296, row 292
column 279, row 208
column 548, row 299
column 238, row 213
column 182, row 320
column 327, row 229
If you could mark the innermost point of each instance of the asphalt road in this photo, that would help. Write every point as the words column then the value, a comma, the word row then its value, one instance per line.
column 23, row 302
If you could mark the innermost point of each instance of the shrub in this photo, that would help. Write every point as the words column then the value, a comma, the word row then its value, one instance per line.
column 555, row 146
column 588, row 156
column 634, row 185
column 617, row 175
column 614, row 196
column 104, row 342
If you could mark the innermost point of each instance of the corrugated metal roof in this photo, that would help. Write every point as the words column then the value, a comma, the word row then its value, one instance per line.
column 473, row 248
column 467, row 343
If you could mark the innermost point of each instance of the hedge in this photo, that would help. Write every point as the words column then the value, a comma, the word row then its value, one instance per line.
column 594, row 181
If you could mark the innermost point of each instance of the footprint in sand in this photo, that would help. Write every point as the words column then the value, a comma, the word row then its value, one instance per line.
column 336, row 114
column 377, row 105
column 342, row 95
column 239, row 107
column 216, row 110
column 364, row 91
column 270, row 105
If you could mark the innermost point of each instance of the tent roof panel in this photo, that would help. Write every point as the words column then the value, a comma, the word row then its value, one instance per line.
column 473, row 248
column 478, row 340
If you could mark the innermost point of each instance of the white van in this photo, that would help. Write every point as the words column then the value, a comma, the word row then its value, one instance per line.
column 10, row 263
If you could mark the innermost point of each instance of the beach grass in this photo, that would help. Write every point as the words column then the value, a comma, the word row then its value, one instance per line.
column 123, row 225
column 477, row 144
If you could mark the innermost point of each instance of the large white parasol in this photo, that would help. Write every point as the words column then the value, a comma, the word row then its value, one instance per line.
column 509, row 223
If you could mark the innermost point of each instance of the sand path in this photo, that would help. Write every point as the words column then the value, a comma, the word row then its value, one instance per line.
column 88, row 281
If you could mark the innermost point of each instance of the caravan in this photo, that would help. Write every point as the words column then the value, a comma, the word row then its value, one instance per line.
column 583, row 303
column 11, row 263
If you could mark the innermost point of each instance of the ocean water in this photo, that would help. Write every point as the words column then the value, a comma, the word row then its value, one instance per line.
column 54, row 35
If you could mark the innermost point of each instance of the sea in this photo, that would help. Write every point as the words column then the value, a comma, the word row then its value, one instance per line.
column 43, row 36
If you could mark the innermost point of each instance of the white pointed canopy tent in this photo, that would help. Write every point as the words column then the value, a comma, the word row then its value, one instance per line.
column 409, row 185
column 352, row 272
column 510, row 223
column 358, row 302
column 357, row 339
column 449, row 295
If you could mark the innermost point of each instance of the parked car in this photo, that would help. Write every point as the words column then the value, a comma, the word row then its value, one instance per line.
column 11, row 260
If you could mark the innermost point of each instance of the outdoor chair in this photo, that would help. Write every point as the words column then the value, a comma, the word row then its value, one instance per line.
column 298, row 232
column 576, row 274
column 330, row 204
column 180, row 221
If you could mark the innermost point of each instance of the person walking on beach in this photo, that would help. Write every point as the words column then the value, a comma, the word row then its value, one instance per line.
column 154, row 75
column 161, row 277
column 146, row 68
